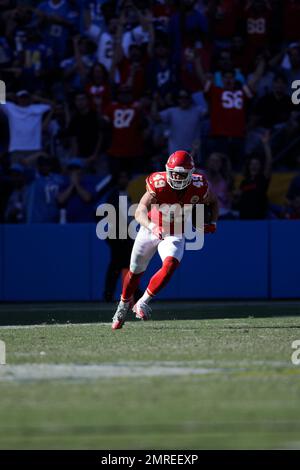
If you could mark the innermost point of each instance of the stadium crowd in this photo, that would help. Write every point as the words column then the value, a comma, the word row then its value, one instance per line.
column 96, row 89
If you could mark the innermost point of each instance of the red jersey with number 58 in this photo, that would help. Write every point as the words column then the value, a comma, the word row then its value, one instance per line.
column 166, row 197
column 127, row 140
column 228, row 110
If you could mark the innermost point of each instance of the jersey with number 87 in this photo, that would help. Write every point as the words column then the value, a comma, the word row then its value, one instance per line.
column 126, row 120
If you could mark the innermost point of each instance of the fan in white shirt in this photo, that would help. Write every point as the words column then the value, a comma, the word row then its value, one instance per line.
column 25, row 123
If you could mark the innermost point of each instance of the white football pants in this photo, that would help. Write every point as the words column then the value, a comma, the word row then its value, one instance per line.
column 146, row 244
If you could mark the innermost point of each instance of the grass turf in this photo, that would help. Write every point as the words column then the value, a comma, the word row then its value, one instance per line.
column 249, row 397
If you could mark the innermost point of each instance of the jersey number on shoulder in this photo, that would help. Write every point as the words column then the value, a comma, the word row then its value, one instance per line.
column 158, row 181
column 123, row 117
column 198, row 181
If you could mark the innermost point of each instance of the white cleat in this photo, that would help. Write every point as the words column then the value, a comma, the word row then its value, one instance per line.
column 119, row 317
column 142, row 311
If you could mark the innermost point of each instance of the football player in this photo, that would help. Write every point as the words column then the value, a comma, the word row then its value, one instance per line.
column 178, row 185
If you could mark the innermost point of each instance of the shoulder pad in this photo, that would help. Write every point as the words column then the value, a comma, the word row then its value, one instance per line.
column 156, row 181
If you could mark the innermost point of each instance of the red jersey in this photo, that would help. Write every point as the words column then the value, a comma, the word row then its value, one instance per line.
column 127, row 140
column 257, row 27
column 126, row 69
column 188, row 75
column 168, row 208
column 228, row 110
column 99, row 96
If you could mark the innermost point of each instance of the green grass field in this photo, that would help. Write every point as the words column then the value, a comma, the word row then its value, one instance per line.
column 198, row 376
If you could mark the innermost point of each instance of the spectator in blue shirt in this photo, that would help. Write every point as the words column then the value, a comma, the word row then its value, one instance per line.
column 34, row 60
column 77, row 67
column 6, row 54
column 161, row 74
column 42, row 205
column 58, row 20
column 93, row 14
column 77, row 194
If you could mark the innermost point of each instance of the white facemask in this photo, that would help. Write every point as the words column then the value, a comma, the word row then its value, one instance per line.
column 182, row 183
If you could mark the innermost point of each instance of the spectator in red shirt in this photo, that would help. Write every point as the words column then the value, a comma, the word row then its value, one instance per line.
column 228, row 110
column 127, row 123
column 130, row 69
column 257, row 21
column 193, row 50
column 98, row 88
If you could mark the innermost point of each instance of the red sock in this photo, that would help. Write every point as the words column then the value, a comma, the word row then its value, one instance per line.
column 162, row 277
column 130, row 284
column 124, row 274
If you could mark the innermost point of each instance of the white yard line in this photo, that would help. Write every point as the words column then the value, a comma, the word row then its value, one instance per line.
column 51, row 325
column 33, row 372
column 36, row 372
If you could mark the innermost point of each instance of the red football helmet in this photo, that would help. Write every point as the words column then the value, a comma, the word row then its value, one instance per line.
column 180, row 162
